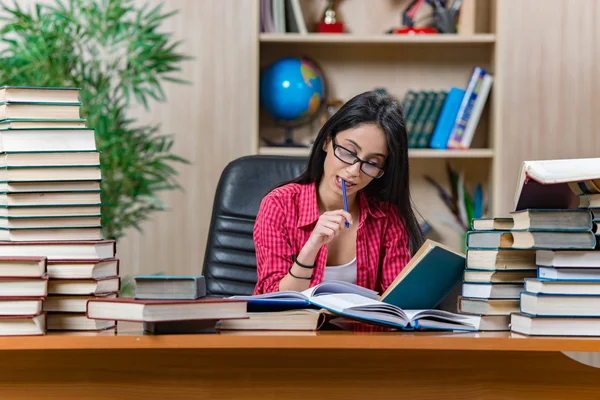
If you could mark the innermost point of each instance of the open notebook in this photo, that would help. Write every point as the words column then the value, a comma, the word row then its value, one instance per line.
column 355, row 302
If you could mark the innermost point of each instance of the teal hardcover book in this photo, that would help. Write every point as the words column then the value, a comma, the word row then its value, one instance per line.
column 433, row 272
column 172, row 287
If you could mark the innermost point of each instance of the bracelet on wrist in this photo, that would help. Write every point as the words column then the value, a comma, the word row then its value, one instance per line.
column 297, row 277
column 295, row 258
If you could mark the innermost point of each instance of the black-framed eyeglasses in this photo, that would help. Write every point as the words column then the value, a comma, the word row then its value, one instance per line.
column 348, row 157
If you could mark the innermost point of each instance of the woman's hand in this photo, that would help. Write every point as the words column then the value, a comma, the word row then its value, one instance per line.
column 329, row 225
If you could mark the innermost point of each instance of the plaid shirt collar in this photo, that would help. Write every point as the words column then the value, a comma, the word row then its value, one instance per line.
column 309, row 209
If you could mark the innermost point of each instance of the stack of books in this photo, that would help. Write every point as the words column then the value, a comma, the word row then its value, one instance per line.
column 50, row 199
column 23, row 287
column 501, row 255
column 551, row 234
column 564, row 298
column 168, row 304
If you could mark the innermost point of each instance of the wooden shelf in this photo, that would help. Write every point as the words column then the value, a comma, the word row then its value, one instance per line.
column 319, row 38
column 413, row 153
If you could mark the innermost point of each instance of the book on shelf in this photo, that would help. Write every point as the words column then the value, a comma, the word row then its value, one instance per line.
column 174, row 287
column 470, row 109
column 445, row 123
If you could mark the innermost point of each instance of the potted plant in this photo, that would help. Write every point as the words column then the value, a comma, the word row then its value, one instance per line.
column 114, row 52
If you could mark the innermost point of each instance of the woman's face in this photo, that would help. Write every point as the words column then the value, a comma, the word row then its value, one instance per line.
column 366, row 142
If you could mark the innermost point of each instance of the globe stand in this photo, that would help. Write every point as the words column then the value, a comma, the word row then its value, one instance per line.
column 289, row 140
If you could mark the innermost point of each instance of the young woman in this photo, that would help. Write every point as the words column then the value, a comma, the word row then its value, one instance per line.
column 301, row 236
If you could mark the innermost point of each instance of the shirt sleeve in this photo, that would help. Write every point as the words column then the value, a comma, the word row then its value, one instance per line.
column 396, row 249
column 273, row 246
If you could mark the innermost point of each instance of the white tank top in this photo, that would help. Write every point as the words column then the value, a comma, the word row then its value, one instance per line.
column 346, row 272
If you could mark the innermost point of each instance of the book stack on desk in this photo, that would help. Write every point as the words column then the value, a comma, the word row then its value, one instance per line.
column 168, row 305
column 494, row 275
column 50, row 200
column 564, row 298
column 23, row 287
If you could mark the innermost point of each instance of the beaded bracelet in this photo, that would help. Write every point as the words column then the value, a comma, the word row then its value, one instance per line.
column 295, row 258
column 297, row 277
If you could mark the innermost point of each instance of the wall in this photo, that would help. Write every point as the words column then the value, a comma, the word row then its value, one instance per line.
column 213, row 121
column 549, row 64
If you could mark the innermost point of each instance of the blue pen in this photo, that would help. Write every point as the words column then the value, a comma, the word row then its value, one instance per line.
column 345, row 200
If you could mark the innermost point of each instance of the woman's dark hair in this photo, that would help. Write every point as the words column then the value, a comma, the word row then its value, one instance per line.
column 384, row 111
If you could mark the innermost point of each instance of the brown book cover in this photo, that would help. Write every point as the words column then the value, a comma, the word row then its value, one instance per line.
column 99, row 309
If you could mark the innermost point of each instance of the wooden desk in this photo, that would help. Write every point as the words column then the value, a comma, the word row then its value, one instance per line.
column 298, row 365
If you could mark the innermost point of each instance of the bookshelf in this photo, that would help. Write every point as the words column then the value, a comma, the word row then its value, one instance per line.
column 366, row 58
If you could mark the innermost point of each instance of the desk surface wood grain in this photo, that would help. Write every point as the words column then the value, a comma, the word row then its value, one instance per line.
column 131, row 336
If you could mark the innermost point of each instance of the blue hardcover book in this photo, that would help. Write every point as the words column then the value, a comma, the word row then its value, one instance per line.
column 427, row 279
column 169, row 287
column 447, row 118
column 560, row 305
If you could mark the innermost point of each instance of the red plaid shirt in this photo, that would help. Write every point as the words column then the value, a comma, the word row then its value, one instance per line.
column 286, row 219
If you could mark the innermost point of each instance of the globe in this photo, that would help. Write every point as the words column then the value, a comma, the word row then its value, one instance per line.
column 292, row 90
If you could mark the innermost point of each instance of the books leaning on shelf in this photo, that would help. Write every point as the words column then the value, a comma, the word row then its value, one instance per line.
column 446, row 119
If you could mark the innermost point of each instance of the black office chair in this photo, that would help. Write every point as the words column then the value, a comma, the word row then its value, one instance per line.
column 229, row 261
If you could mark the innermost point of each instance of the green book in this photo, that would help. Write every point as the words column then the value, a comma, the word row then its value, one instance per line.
column 411, row 118
column 418, row 128
column 429, row 277
column 407, row 102
column 431, row 121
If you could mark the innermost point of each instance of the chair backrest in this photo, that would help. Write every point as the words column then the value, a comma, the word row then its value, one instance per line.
column 229, row 261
